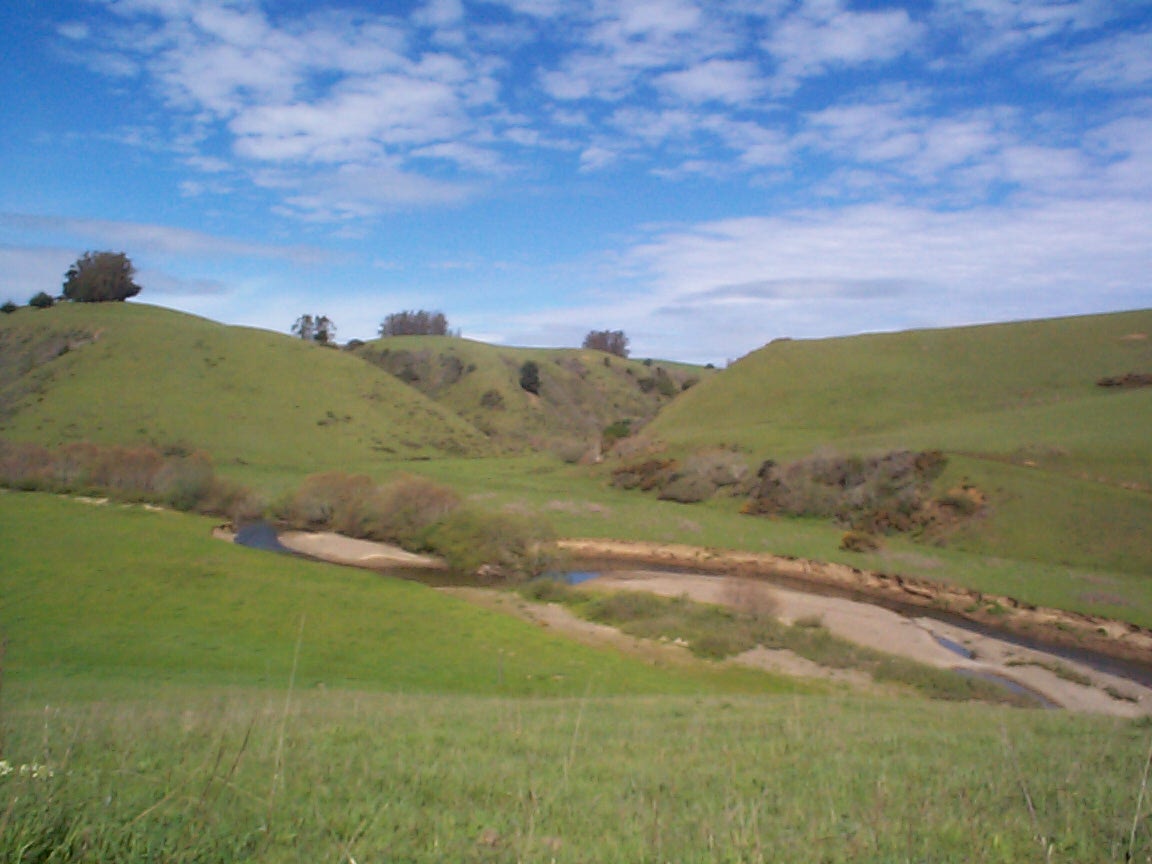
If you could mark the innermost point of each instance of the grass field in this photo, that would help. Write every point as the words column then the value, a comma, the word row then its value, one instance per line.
column 246, row 396
column 111, row 593
column 166, row 696
column 239, row 775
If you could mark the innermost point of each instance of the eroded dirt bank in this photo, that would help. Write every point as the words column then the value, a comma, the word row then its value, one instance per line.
column 1053, row 626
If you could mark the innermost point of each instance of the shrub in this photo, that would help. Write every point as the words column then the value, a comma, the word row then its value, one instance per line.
column 754, row 600
column 42, row 300
column 687, row 489
column 336, row 501
column 530, row 377
column 859, row 541
column 649, row 474
column 9, row 307
column 546, row 589
column 498, row 547
column 888, row 492
column 615, row 431
column 184, row 483
column 409, row 506
column 493, row 400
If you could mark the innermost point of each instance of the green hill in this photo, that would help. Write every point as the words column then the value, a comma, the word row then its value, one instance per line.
column 126, row 373
column 1016, row 407
column 580, row 392
column 1024, row 390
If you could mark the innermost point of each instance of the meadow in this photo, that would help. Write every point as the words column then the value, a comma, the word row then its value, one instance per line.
column 181, row 774
column 167, row 696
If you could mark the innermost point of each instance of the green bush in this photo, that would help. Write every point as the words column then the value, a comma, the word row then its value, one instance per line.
column 530, row 377
column 859, row 541
column 495, row 546
column 187, row 482
column 687, row 489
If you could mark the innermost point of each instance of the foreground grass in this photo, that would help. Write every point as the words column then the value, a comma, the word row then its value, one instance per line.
column 245, row 775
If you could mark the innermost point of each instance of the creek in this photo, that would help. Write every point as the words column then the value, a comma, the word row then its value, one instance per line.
column 264, row 536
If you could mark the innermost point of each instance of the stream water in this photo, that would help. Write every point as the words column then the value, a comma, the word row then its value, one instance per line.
column 261, row 535
column 1141, row 673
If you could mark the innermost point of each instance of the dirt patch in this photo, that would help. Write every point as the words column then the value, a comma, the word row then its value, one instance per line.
column 1054, row 626
column 1066, row 683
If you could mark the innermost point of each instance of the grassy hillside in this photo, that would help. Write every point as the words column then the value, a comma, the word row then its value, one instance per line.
column 1067, row 464
column 128, row 373
column 580, row 392
column 1024, row 391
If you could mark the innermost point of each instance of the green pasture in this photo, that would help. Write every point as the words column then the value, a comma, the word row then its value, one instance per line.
column 115, row 593
column 153, row 376
column 991, row 389
column 226, row 775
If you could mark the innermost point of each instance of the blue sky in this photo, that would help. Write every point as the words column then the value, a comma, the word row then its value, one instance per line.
column 706, row 176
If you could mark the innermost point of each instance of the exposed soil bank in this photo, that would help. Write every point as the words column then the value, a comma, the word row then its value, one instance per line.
column 1059, row 682
column 1052, row 626
column 337, row 549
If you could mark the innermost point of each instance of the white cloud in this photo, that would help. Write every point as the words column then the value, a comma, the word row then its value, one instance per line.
column 595, row 157
column 1121, row 61
column 146, row 239
column 363, row 190
column 883, row 267
column 822, row 35
column 994, row 27
column 352, row 125
column 731, row 81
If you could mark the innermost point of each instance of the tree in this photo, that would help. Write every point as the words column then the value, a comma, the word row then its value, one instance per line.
column 42, row 301
column 315, row 328
column 530, row 377
column 612, row 341
column 9, row 307
column 98, row 277
column 415, row 323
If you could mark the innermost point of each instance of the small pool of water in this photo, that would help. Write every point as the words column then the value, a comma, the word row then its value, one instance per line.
column 955, row 647
column 577, row 577
column 261, row 535
column 1040, row 699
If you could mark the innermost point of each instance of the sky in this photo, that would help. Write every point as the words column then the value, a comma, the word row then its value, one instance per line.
column 705, row 176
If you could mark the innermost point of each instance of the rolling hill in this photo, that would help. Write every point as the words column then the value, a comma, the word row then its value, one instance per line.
column 1025, row 391
column 580, row 392
column 126, row 373
column 1017, row 408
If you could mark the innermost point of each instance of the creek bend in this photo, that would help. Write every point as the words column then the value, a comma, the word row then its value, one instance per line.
column 611, row 571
